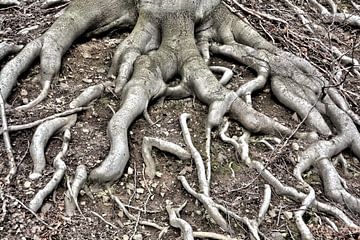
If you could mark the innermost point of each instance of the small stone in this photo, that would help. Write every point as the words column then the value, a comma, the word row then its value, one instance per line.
column 140, row 190
column 198, row 212
column 64, row 86
column 288, row 215
column 101, row 70
column 138, row 237
column 126, row 237
column 295, row 117
column 130, row 186
column 276, row 236
column 272, row 213
column 87, row 80
column 295, row 146
column 23, row 92
column 27, row 184
column 162, row 194
column 25, row 100
column 86, row 55
column 158, row 174
column 130, row 171
column 85, row 130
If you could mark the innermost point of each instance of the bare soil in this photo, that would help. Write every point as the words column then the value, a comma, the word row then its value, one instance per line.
column 234, row 185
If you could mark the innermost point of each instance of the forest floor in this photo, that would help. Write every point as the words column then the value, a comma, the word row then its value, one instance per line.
column 233, row 184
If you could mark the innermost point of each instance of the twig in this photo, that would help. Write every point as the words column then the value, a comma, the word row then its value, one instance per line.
column 31, row 211
column 38, row 122
column 103, row 219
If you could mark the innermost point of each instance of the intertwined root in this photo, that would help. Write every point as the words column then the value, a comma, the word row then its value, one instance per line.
column 178, row 41
column 80, row 17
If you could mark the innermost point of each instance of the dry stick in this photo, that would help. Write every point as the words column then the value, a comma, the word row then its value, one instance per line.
column 60, row 168
column 301, row 15
column 259, row 14
column 31, row 211
column 14, row 128
column 103, row 219
column 7, row 142
column 132, row 217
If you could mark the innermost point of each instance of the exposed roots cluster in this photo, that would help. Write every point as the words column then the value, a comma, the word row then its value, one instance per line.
column 178, row 38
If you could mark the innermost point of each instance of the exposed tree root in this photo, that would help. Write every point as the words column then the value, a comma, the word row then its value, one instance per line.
column 177, row 222
column 25, row 126
column 174, row 39
column 306, row 199
column 50, row 3
column 41, row 136
column 8, row 48
column 59, row 165
column 149, row 143
column 334, row 16
column 79, row 17
column 72, row 193
column 8, row 2
column 8, row 147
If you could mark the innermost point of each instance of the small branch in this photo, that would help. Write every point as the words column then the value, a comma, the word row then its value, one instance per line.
column 40, row 121
column 31, row 211
column 132, row 217
column 103, row 219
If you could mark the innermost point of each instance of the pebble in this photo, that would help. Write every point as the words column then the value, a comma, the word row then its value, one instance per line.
column 27, row 184
column 138, row 237
column 87, row 80
column 140, row 190
column 25, row 100
column 130, row 171
column 288, row 215
column 23, row 92
column 295, row 146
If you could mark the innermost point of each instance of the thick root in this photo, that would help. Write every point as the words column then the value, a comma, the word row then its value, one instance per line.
column 144, row 86
column 78, row 18
column 8, row 48
column 144, row 38
column 41, row 136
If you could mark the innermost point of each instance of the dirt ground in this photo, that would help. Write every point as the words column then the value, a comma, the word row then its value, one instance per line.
column 233, row 184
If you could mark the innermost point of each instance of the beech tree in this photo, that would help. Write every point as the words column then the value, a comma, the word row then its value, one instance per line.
column 176, row 40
